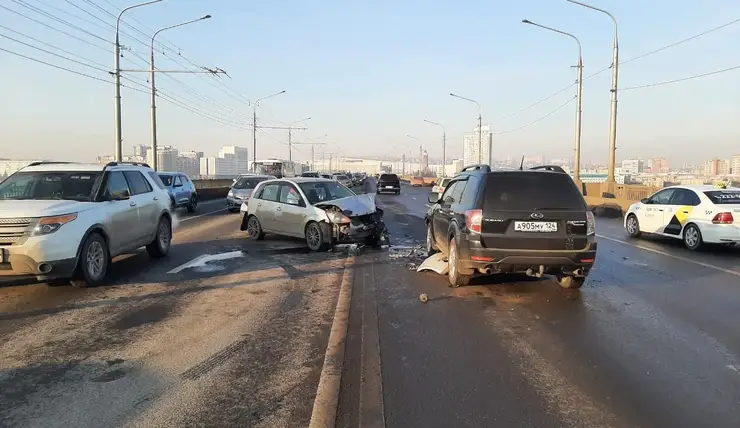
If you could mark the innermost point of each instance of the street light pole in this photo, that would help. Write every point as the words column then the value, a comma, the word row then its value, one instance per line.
column 254, row 128
column 613, row 112
column 444, row 144
column 153, row 89
column 480, row 127
column 117, row 77
column 579, row 94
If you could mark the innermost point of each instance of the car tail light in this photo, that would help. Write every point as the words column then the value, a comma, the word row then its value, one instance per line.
column 723, row 218
column 590, row 223
column 473, row 220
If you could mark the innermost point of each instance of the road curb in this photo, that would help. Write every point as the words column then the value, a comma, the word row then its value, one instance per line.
column 324, row 413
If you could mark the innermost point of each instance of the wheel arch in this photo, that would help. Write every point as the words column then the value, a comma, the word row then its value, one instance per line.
column 96, row 228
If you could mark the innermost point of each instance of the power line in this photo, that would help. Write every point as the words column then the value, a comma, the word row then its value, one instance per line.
column 537, row 120
column 54, row 18
column 54, row 65
column 55, row 54
column 683, row 79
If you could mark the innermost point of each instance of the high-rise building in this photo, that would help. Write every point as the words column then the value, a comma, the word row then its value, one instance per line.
column 189, row 163
column 470, row 144
column 658, row 165
column 632, row 166
column 735, row 165
column 166, row 158
column 140, row 151
column 241, row 160
column 218, row 167
column 714, row 167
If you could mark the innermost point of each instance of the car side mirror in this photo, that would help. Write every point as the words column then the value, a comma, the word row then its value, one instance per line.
column 433, row 198
column 645, row 200
column 177, row 185
column 121, row 196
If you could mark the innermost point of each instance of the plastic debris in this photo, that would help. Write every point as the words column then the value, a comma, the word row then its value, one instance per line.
column 350, row 248
column 423, row 298
column 435, row 263
column 403, row 251
column 411, row 266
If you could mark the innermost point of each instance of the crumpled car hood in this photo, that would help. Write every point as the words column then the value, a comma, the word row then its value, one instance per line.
column 353, row 205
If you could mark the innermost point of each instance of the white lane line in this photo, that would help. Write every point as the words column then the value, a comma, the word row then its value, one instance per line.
column 673, row 256
column 205, row 258
column 202, row 215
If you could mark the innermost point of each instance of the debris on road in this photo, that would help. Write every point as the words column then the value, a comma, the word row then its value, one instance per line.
column 423, row 298
column 436, row 263
column 352, row 249
column 402, row 251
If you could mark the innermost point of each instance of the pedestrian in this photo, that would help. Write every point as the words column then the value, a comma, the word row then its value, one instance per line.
column 370, row 186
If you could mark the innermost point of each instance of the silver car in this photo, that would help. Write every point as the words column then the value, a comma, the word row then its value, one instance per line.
column 322, row 211
column 345, row 180
column 242, row 189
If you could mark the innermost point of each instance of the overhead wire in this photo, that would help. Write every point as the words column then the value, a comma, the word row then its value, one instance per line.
column 683, row 79
column 541, row 118
column 60, row 20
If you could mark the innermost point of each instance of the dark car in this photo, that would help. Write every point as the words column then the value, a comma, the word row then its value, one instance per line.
column 389, row 183
column 526, row 221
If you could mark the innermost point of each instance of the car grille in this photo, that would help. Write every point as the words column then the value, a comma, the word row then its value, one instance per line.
column 13, row 229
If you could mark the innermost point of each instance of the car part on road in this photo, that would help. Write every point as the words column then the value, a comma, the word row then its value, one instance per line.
column 93, row 262
column 423, row 298
column 435, row 263
column 571, row 282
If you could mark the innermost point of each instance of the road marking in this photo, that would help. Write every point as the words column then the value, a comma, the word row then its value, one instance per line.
column 673, row 256
column 202, row 215
column 205, row 258
column 324, row 413
column 372, row 414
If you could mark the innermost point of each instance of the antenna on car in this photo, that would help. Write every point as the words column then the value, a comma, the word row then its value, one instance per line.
column 521, row 165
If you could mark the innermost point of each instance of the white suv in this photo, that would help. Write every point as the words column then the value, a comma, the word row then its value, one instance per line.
column 66, row 221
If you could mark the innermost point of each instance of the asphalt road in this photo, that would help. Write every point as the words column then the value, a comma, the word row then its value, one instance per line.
column 650, row 340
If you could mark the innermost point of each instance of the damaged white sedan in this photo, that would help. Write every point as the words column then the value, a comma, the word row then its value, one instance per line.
column 323, row 212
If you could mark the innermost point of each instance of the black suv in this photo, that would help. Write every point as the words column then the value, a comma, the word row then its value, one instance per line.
column 389, row 183
column 534, row 221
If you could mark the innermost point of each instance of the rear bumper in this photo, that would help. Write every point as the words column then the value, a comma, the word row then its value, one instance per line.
column 394, row 188
column 477, row 258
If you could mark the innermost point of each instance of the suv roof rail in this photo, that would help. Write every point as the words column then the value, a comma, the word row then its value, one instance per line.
column 144, row 164
column 481, row 167
column 47, row 163
column 553, row 168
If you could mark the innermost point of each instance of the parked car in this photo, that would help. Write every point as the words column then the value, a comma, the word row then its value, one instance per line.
column 417, row 182
column 310, row 174
column 322, row 211
column 64, row 222
column 530, row 221
column 389, row 183
column 181, row 189
column 242, row 189
column 440, row 185
column 345, row 180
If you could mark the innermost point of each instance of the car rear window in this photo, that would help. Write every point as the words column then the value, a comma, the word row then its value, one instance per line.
column 724, row 197
column 522, row 191
column 388, row 177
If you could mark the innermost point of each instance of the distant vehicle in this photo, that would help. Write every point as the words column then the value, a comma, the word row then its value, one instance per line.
column 696, row 214
column 533, row 221
column 277, row 167
column 343, row 179
column 65, row 222
column 181, row 189
column 417, row 182
column 242, row 189
column 327, row 176
column 389, row 183
column 440, row 185
column 321, row 211
column 311, row 174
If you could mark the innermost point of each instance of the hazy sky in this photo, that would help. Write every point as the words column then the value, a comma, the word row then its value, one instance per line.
column 369, row 72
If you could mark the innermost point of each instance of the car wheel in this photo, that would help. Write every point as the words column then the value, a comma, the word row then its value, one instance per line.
column 315, row 238
column 571, row 282
column 254, row 229
column 692, row 238
column 160, row 247
column 453, row 265
column 193, row 205
column 93, row 262
column 633, row 226
column 431, row 248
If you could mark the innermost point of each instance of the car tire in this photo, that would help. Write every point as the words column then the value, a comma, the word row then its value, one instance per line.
column 571, row 282
column 315, row 237
column 633, row 226
column 692, row 238
column 430, row 247
column 162, row 243
column 398, row 192
column 193, row 205
column 254, row 229
column 453, row 265
column 93, row 262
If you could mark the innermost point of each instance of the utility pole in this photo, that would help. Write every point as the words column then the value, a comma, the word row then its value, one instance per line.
column 421, row 160
column 254, row 127
column 444, row 144
column 313, row 146
column 290, row 136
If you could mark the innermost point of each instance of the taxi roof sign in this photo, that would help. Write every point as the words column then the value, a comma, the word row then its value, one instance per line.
column 721, row 184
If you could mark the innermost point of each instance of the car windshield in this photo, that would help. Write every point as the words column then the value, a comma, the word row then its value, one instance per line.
column 523, row 191
column 71, row 185
column 166, row 179
column 341, row 177
column 248, row 182
column 322, row 191
column 724, row 197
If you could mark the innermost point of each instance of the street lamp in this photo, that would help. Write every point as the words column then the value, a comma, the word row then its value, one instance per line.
column 579, row 94
column 254, row 128
column 421, row 152
column 613, row 113
column 444, row 143
column 290, row 137
column 117, row 77
column 153, row 89
column 480, row 126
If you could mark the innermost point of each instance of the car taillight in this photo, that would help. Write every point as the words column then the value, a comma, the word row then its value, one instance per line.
column 590, row 223
column 723, row 218
column 473, row 220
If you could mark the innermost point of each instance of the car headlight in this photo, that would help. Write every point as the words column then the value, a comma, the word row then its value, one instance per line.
column 230, row 194
column 48, row 225
column 337, row 217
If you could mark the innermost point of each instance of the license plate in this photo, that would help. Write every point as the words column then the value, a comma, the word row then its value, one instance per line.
column 535, row 226
column 388, row 187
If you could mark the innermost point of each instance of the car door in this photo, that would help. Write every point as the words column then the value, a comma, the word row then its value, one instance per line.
column 266, row 206
column 651, row 218
column 678, row 210
column 122, row 216
column 179, row 190
column 443, row 215
column 147, row 205
column 291, row 212
column 188, row 187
